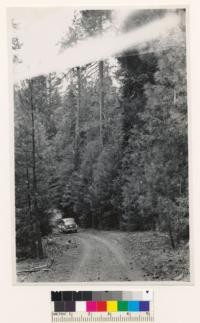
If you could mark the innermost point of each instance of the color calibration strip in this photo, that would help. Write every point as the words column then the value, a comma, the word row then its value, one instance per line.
column 102, row 305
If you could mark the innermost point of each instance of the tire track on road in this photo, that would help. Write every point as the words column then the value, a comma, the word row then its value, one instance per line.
column 132, row 275
column 86, row 254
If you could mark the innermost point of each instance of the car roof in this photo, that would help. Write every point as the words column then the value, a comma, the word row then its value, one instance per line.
column 69, row 220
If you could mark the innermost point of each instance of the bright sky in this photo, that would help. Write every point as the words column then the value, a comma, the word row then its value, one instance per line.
column 40, row 29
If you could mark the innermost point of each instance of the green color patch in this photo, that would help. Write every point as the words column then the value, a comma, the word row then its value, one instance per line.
column 122, row 306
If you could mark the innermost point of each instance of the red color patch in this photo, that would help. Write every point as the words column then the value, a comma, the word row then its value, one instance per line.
column 101, row 306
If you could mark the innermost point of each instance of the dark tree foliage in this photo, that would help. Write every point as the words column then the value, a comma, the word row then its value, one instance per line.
column 34, row 163
column 143, row 17
column 155, row 189
column 135, row 72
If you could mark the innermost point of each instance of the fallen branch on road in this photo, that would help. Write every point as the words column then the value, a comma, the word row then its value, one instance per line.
column 32, row 270
column 37, row 268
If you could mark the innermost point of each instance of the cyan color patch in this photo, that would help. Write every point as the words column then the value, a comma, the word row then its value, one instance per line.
column 133, row 306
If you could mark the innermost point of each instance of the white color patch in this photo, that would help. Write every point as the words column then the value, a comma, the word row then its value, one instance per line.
column 80, row 306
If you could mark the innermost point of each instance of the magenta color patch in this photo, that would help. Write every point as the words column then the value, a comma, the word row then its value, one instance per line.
column 91, row 306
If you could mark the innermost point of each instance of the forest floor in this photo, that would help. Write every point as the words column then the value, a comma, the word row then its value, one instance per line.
column 91, row 255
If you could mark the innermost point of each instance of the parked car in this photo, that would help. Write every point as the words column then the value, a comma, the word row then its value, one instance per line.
column 67, row 225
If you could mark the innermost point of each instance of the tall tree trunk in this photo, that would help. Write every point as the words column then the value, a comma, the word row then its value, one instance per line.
column 93, row 226
column 78, row 103
column 101, row 101
column 33, row 244
column 170, row 232
column 28, row 189
column 39, row 248
column 77, row 130
column 49, row 90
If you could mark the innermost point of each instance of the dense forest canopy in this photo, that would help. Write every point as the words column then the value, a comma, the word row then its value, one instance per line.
column 106, row 143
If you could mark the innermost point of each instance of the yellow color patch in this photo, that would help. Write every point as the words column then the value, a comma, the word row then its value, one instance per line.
column 111, row 306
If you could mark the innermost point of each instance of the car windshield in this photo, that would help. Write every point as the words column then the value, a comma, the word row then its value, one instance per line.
column 69, row 221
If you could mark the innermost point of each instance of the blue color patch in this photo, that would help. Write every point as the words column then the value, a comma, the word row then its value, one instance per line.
column 144, row 306
column 133, row 306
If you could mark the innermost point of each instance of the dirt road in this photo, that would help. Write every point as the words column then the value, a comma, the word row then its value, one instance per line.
column 103, row 259
column 87, row 256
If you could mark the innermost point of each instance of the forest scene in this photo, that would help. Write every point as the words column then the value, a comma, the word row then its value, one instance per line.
column 103, row 140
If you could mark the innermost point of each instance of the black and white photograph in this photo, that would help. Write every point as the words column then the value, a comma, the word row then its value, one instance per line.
column 100, row 107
